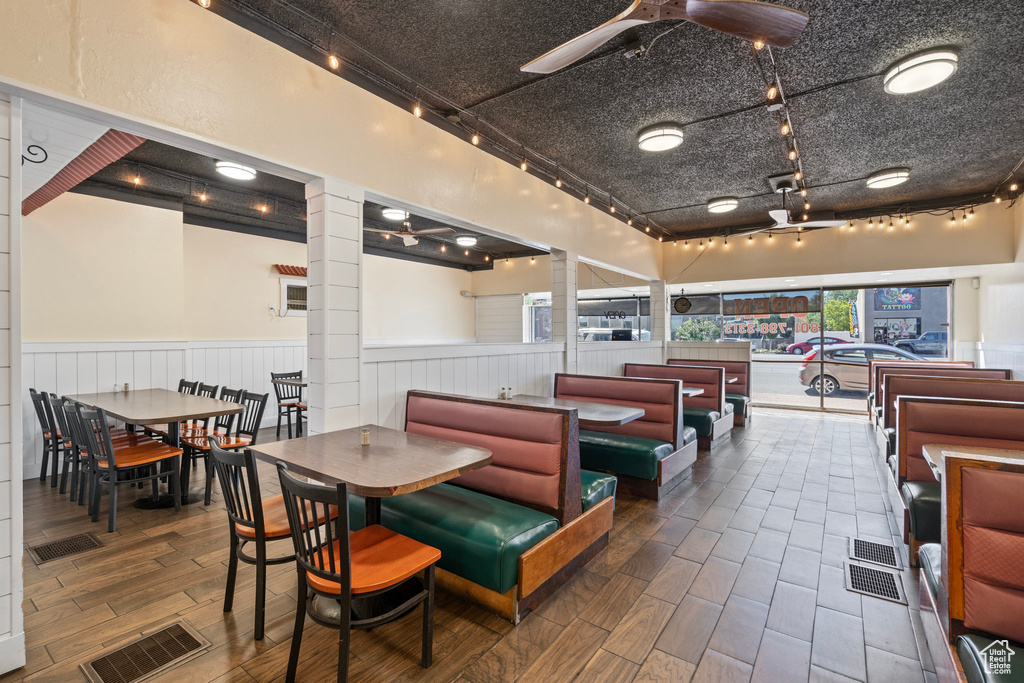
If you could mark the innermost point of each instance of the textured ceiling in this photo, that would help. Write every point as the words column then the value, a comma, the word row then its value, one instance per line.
column 959, row 139
column 169, row 173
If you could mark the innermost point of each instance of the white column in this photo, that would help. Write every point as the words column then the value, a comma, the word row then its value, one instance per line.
column 334, row 235
column 661, row 328
column 565, row 320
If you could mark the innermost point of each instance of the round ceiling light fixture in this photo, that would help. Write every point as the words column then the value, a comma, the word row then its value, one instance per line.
column 890, row 177
column 920, row 72
column 723, row 204
column 235, row 171
column 660, row 138
column 394, row 214
column 465, row 241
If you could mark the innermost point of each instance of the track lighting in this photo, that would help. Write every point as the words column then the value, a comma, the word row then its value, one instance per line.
column 334, row 63
column 475, row 139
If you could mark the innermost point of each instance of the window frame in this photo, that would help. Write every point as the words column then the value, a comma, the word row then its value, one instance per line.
column 291, row 281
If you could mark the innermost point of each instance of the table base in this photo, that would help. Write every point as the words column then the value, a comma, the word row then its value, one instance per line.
column 166, row 500
column 366, row 608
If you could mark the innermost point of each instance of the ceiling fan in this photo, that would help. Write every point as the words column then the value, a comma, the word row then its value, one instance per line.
column 409, row 235
column 758, row 21
column 781, row 218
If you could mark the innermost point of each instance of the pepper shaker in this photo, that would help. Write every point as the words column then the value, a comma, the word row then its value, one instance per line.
column 364, row 436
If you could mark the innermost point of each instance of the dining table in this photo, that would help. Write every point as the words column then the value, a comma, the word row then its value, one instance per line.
column 731, row 379
column 692, row 391
column 159, row 406
column 590, row 413
column 936, row 454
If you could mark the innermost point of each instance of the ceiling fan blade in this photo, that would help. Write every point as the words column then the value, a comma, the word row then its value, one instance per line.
column 822, row 224
column 432, row 231
column 774, row 24
column 386, row 232
column 780, row 216
column 409, row 240
column 580, row 46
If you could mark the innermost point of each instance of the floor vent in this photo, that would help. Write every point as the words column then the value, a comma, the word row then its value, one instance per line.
column 877, row 583
column 147, row 655
column 876, row 553
column 54, row 550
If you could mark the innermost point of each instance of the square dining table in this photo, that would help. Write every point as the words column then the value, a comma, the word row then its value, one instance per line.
column 394, row 462
column 159, row 406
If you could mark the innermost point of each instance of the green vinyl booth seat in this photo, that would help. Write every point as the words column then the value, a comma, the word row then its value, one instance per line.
column 969, row 649
column 595, row 487
column 890, row 438
column 739, row 403
column 701, row 419
column 929, row 559
column 632, row 456
column 480, row 537
column 924, row 503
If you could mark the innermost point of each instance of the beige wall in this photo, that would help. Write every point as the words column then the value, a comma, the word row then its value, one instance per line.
column 181, row 66
column 1001, row 295
column 229, row 280
column 408, row 302
column 520, row 276
column 101, row 270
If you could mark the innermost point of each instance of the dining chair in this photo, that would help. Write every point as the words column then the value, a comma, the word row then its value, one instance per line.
column 289, row 400
column 250, row 520
column 53, row 441
column 127, row 465
column 334, row 565
column 70, row 462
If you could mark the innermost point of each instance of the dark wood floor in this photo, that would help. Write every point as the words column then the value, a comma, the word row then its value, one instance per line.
column 736, row 576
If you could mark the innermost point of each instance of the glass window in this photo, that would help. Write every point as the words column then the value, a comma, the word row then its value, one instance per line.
column 626, row 319
column 696, row 318
column 848, row 356
column 886, row 355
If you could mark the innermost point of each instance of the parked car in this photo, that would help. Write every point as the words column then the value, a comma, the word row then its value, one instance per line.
column 845, row 366
column 808, row 344
column 929, row 343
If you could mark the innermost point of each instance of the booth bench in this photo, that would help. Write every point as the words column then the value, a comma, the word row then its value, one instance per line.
column 649, row 455
column 512, row 532
column 874, row 367
column 738, row 393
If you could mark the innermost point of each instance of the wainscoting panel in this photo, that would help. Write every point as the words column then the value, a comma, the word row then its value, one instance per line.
column 472, row 369
column 90, row 367
column 607, row 358
column 993, row 355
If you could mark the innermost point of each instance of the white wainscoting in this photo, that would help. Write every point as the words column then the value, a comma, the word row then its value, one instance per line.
column 472, row 369
column 68, row 368
column 739, row 351
column 607, row 358
column 500, row 319
column 993, row 355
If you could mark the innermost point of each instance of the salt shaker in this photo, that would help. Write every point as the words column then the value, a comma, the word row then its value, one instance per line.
column 126, row 387
column 364, row 436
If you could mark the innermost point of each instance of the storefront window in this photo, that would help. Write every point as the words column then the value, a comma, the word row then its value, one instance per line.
column 696, row 318
column 627, row 319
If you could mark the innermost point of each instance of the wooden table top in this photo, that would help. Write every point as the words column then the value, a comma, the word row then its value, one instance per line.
column 591, row 414
column 692, row 391
column 935, row 455
column 393, row 464
column 150, row 406
column 301, row 382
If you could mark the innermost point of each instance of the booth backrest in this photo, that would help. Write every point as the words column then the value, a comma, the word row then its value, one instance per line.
column 710, row 379
column 737, row 368
column 875, row 366
column 661, row 400
column 929, row 371
column 535, row 449
column 994, row 388
column 962, row 422
column 993, row 545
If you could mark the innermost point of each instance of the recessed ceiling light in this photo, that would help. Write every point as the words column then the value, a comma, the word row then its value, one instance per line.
column 722, row 204
column 236, row 171
column 920, row 72
column 888, row 178
column 660, row 138
column 394, row 214
column 465, row 241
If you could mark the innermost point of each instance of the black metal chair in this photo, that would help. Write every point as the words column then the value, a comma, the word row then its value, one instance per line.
column 53, row 440
column 128, row 465
column 191, row 388
column 336, row 568
column 71, row 462
column 289, row 400
column 250, row 520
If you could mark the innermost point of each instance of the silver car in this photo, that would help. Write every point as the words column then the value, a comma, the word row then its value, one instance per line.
column 845, row 366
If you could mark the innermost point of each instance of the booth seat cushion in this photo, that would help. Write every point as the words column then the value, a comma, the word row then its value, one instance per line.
column 890, row 436
column 738, row 402
column 871, row 399
column 893, row 466
column 480, row 537
column 929, row 558
column 631, row 456
column 924, row 502
column 701, row 419
column 969, row 649
column 595, row 487
column 729, row 407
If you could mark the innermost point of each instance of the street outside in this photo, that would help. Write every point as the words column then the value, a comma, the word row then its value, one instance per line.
column 776, row 380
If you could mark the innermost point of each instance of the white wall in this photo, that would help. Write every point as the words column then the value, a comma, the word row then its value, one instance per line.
column 500, row 319
column 607, row 358
column 415, row 303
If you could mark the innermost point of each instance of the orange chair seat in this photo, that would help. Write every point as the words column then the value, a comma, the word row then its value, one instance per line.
column 275, row 519
column 202, row 443
column 380, row 559
column 142, row 455
column 46, row 435
column 298, row 404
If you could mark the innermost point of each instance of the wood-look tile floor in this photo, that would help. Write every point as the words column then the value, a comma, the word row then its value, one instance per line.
column 735, row 576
